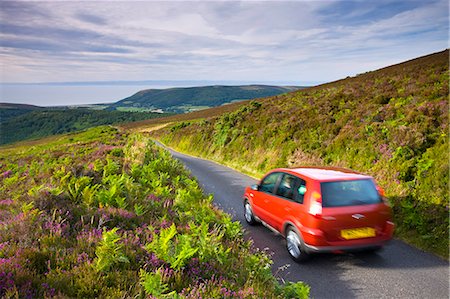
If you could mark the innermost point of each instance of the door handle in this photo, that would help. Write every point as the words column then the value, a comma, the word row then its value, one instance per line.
column 287, row 209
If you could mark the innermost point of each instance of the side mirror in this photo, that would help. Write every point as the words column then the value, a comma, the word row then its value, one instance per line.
column 254, row 187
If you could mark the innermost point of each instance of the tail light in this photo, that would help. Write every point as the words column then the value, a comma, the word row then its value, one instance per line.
column 382, row 195
column 315, row 207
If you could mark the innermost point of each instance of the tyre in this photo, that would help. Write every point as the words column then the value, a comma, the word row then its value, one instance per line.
column 248, row 213
column 294, row 246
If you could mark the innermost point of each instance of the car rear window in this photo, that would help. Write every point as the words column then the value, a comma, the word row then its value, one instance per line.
column 349, row 193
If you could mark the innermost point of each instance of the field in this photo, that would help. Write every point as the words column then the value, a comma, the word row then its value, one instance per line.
column 391, row 123
column 105, row 213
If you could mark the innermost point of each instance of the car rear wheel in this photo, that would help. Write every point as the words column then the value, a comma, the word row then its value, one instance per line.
column 294, row 246
column 248, row 213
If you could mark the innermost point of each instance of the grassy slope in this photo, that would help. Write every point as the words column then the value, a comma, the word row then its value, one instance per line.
column 198, row 96
column 391, row 123
column 107, row 214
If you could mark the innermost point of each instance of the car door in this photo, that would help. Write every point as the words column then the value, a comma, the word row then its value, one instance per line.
column 263, row 198
column 287, row 204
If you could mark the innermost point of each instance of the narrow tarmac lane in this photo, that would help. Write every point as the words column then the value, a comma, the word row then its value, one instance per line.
column 398, row 271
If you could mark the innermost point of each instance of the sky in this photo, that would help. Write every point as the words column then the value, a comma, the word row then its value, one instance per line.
column 302, row 42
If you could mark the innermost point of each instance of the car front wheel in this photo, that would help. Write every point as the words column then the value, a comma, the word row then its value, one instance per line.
column 294, row 246
column 248, row 213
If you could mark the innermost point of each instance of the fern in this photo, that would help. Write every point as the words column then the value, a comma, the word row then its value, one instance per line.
column 154, row 286
column 152, row 283
column 164, row 241
column 296, row 290
column 139, row 209
column 89, row 193
column 74, row 186
column 175, row 249
column 110, row 168
column 27, row 207
column 109, row 252
column 209, row 243
column 111, row 196
column 184, row 252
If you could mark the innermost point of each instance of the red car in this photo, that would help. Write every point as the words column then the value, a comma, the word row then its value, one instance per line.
column 321, row 210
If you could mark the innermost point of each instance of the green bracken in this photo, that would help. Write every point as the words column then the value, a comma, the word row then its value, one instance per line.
column 108, row 214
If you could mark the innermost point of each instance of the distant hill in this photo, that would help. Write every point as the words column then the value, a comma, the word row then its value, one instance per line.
column 392, row 123
column 195, row 98
column 10, row 110
column 21, row 122
column 19, row 106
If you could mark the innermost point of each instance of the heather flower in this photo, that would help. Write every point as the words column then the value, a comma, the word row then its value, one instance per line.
column 91, row 236
column 56, row 228
column 165, row 224
column 4, row 261
column 154, row 261
column 7, row 174
column 226, row 293
column 246, row 293
column 6, row 202
column 153, row 197
column 27, row 290
column 167, row 272
column 4, row 245
column 107, row 212
column 131, row 239
column 6, row 282
column 385, row 150
column 83, row 258
column 48, row 291
column 124, row 213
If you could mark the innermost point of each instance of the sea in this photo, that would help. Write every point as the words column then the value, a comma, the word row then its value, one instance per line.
column 67, row 95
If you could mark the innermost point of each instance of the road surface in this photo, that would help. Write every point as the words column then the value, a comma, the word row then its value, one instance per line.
column 398, row 271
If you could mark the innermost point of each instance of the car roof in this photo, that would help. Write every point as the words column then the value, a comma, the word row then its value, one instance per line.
column 327, row 173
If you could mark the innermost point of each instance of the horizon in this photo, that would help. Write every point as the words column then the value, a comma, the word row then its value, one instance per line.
column 43, row 94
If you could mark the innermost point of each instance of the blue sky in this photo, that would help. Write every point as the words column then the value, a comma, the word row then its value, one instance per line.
column 257, row 41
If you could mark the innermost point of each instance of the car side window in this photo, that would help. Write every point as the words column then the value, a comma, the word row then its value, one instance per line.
column 300, row 190
column 286, row 187
column 269, row 182
column 292, row 188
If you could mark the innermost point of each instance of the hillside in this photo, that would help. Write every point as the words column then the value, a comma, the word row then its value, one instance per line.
column 107, row 214
column 195, row 98
column 22, row 122
column 391, row 123
column 9, row 110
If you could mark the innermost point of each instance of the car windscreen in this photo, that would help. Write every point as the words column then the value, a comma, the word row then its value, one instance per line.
column 349, row 193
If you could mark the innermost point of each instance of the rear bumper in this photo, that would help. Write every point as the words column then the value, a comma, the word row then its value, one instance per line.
column 315, row 241
column 310, row 248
